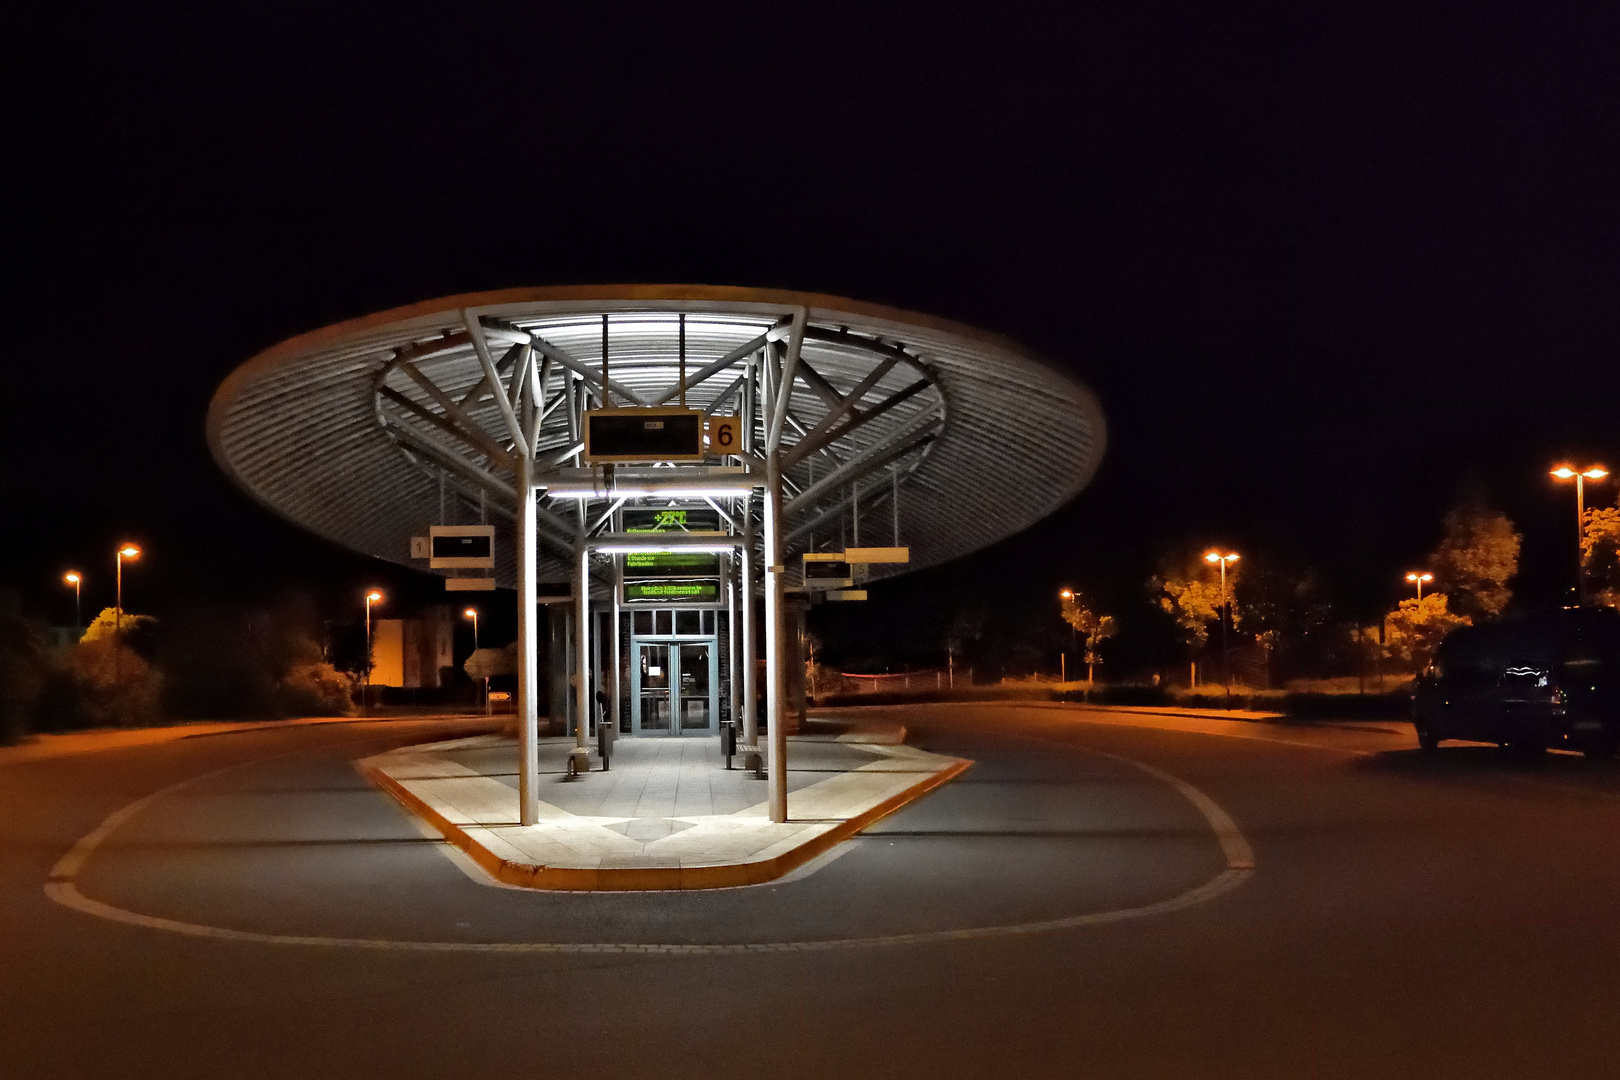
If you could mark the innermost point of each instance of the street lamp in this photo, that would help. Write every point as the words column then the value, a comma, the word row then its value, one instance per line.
column 372, row 597
column 75, row 579
column 472, row 613
column 1418, row 579
column 128, row 551
column 1595, row 472
column 1222, row 560
column 1067, row 595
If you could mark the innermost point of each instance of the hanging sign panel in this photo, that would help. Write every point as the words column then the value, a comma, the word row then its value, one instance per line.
column 877, row 555
column 461, row 547
column 826, row 570
column 682, row 591
column 644, row 435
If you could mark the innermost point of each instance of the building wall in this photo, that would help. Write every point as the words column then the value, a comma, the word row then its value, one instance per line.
column 412, row 653
column 388, row 652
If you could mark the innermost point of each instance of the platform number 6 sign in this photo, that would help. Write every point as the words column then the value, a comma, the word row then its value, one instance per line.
column 725, row 435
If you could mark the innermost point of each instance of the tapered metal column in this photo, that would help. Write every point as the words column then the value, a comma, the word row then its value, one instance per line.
column 775, row 639
column 745, row 598
column 528, row 651
column 732, row 686
column 618, row 591
column 582, row 645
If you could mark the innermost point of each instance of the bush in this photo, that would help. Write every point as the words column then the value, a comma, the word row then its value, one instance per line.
column 317, row 689
column 23, row 664
column 104, row 686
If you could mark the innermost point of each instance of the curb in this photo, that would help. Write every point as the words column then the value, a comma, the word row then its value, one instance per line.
column 653, row 878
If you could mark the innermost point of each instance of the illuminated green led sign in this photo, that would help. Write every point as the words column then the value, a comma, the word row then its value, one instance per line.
column 669, row 564
column 671, row 519
column 672, row 592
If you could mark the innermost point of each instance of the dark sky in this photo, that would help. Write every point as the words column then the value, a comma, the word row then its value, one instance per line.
column 1322, row 267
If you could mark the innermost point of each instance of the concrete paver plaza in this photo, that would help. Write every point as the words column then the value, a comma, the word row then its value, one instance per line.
column 667, row 814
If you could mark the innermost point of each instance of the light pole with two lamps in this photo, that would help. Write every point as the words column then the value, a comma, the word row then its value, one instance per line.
column 1595, row 472
column 1418, row 578
column 1222, row 560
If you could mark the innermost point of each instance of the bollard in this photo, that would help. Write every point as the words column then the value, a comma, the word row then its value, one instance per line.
column 728, row 741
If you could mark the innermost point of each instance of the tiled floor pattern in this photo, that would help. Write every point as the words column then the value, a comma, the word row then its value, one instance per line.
column 665, row 802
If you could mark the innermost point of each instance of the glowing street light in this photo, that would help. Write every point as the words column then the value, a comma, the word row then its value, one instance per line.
column 1223, row 560
column 128, row 551
column 472, row 613
column 1067, row 596
column 1418, row 579
column 75, row 579
column 372, row 597
column 1595, row 472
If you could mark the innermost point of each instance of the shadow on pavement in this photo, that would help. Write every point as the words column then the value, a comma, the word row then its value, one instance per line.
column 1470, row 761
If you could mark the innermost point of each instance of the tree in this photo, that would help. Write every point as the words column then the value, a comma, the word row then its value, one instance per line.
column 1414, row 630
column 1191, row 593
column 1600, row 554
column 1087, row 624
column 1477, row 557
column 131, row 625
column 23, row 663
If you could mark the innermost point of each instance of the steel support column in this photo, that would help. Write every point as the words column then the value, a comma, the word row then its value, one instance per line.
column 775, row 639
column 732, row 688
column 582, row 642
column 618, row 591
column 528, row 652
column 745, row 597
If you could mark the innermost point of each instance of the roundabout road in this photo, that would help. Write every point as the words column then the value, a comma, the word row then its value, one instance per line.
column 1079, row 902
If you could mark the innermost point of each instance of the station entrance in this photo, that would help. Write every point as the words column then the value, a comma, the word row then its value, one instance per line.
column 675, row 672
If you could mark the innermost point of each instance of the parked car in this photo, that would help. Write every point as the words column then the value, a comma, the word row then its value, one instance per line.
column 1549, row 679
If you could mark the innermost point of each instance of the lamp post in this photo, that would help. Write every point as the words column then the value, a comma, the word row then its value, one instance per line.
column 372, row 597
column 1418, row 578
column 1222, row 560
column 75, row 579
column 472, row 613
column 1595, row 472
column 128, row 551
column 1067, row 596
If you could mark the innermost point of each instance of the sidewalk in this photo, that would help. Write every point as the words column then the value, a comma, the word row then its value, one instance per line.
column 667, row 815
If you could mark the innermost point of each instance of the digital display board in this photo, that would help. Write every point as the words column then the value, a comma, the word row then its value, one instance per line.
column 663, row 519
column 671, row 564
column 648, row 434
column 462, row 547
column 685, row 591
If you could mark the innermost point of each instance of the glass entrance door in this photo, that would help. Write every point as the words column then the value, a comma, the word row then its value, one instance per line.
column 696, row 710
column 676, row 687
column 653, row 699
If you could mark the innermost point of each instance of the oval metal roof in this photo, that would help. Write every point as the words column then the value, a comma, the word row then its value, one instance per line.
column 334, row 429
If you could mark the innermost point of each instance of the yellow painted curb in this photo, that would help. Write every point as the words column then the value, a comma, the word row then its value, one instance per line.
column 654, row 878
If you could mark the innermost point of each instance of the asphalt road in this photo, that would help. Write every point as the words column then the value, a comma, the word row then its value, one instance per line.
column 1064, row 908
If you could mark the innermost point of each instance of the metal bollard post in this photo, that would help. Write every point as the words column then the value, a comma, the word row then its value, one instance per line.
column 728, row 741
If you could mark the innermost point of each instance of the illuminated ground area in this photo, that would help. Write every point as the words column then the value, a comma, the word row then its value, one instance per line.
column 1407, row 915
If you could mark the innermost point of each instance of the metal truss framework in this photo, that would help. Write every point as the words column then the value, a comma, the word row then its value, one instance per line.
column 852, row 426
column 955, row 437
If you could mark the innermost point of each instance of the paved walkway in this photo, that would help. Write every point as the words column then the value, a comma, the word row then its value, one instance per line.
column 667, row 815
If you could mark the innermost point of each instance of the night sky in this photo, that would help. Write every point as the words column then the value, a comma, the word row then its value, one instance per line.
column 1323, row 269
